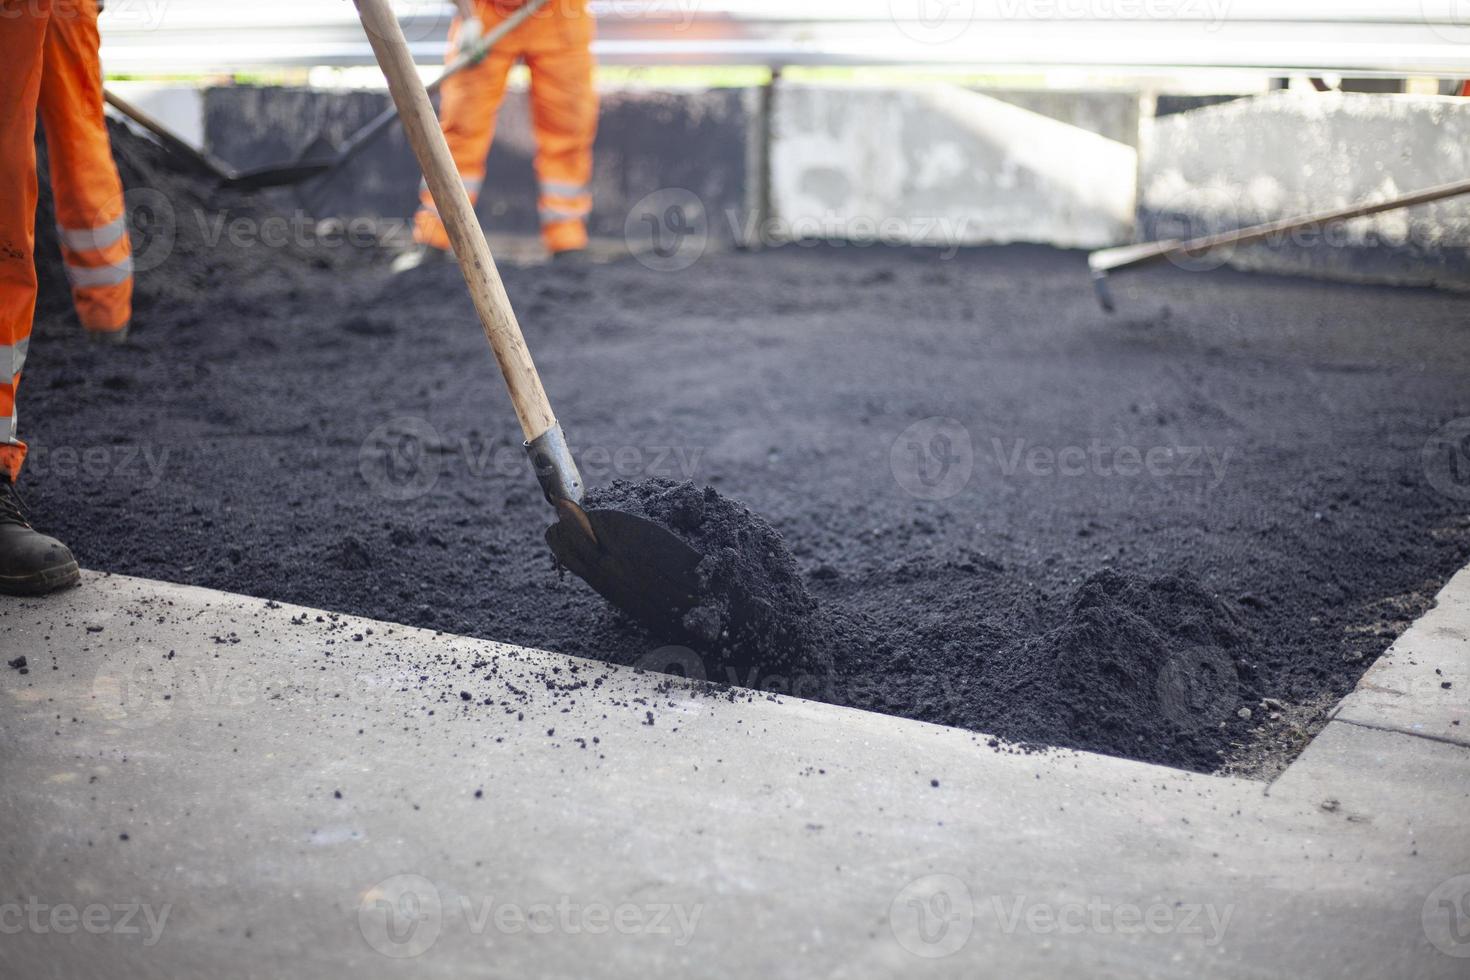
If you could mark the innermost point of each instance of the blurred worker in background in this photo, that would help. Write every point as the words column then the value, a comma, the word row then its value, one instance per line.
column 48, row 61
column 555, row 43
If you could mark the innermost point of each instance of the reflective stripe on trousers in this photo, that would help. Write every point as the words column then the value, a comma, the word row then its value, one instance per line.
column 83, row 276
column 12, row 362
column 91, row 239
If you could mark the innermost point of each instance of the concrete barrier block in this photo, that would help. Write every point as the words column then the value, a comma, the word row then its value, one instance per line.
column 693, row 142
column 1289, row 154
column 942, row 165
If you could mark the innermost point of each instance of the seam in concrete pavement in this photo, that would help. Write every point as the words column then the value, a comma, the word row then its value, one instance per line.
column 1394, row 730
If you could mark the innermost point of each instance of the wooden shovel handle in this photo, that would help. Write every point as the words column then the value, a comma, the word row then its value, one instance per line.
column 458, row 215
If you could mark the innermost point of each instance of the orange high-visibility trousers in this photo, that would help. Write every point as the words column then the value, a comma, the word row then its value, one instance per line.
column 22, row 40
column 89, row 195
column 555, row 45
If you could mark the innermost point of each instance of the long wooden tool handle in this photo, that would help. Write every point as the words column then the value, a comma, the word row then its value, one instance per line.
column 1125, row 256
column 165, row 136
column 455, row 210
column 1255, row 233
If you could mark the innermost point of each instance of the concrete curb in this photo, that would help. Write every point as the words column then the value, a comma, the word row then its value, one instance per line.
column 1421, row 685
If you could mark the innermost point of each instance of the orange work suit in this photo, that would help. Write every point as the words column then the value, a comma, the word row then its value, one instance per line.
column 555, row 43
column 49, row 57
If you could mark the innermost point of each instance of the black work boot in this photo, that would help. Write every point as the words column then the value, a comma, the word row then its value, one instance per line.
column 30, row 562
column 570, row 258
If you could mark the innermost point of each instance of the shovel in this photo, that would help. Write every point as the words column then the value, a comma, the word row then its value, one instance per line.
column 634, row 563
column 253, row 179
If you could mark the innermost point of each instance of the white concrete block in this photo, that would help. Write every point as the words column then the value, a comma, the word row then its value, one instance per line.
column 179, row 107
column 1292, row 154
column 941, row 165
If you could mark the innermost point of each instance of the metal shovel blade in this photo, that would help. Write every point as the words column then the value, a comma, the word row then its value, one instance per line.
column 275, row 175
column 637, row 565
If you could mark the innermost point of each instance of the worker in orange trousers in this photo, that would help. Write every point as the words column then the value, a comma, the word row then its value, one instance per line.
column 49, row 52
column 555, row 43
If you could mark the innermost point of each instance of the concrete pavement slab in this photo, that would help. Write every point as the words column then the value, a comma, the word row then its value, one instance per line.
column 199, row 784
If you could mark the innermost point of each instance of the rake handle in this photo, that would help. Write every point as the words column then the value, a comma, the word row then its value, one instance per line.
column 465, row 235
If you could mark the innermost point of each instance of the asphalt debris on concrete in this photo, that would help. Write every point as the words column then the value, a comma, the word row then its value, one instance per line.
column 988, row 505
